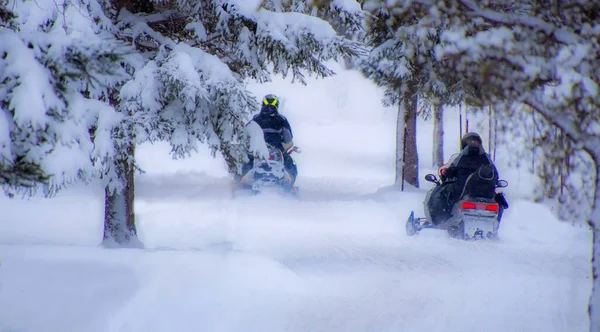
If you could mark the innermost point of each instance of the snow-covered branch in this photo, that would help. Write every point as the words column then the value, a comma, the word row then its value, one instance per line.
column 58, row 65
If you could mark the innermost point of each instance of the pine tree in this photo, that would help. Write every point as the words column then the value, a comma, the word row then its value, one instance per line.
column 57, row 66
column 401, row 60
column 190, row 89
column 545, row 56
column 346, row 17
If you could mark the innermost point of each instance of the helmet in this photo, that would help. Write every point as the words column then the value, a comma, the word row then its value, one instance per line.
column 271, row 100
column 471, row 139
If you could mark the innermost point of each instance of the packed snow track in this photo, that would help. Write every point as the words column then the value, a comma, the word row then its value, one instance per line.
column 335, row 259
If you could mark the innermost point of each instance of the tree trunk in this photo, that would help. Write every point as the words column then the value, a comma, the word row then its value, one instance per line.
column 119, row 217
column 594, row 222
column 490, row 127
column 400, row 131
column 411, row 159
column 438, row 135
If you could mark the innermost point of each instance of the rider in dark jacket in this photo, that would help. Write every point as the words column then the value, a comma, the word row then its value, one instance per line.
column 277, row 131
column 455, row 174
column 468, row 161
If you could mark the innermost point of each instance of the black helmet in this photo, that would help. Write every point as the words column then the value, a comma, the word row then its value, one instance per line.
column 471, row 139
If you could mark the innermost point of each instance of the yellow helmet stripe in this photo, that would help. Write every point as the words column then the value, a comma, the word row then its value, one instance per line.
column 273, row 103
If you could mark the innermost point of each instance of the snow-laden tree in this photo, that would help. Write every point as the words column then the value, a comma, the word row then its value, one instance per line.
column 346, row 17
column 553, row 157
column 57, row 67
column 191, row 88
column 544, row 54
column 401, row 60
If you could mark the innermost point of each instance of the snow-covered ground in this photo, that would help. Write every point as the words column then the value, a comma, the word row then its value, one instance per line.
column 337, row 259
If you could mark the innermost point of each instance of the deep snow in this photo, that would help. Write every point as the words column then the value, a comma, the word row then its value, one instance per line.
column 337, row 259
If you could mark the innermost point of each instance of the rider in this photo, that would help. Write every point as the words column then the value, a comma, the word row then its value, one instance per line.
column 468, row 161
column 277, row 131
column 454, row 174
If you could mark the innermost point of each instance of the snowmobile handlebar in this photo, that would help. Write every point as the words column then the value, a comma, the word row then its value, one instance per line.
column 294, row 149
column 434, row 179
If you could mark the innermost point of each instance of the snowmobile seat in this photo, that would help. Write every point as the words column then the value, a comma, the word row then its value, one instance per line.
column 482, row 183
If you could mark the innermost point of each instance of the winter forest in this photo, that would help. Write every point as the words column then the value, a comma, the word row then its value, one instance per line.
column 84, row 84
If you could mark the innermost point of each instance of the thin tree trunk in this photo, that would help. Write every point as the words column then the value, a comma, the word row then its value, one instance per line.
column 460, row 125
column 495, row 138
column 411, row 161
column 400, row 131
column 438, row 135
column 594, row 222
column 490, row 141
column 119, row 217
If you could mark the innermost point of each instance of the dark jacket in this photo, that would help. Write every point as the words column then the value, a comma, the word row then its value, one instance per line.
column 466, row 163
column 275, row 126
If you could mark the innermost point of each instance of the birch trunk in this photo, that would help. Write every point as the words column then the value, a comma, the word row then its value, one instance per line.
column 438, row 135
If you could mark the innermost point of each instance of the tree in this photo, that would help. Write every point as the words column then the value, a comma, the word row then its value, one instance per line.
column 190, row 87
column 438, row 135
column 544, row 56
column 402, row 60
column 55, row 78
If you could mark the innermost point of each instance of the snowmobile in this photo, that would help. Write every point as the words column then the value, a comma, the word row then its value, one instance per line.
column 474, row 216
column 269, row 174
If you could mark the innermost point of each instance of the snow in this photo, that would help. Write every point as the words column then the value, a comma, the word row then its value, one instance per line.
column 257, row 143
column 351, row 6
column 32, row 87
column 337, row 259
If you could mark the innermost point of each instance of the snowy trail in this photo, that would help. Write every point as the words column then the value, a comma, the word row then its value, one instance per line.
column 303, row 274
column 337, row 259
column 346, row 265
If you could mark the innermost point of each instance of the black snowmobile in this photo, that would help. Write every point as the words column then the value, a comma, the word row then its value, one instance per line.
column 476, row 214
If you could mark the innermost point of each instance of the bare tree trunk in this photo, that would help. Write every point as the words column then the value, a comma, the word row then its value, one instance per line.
column 438, row 135
column 594, row 222
column 411, row 161
column 400, row 131
column 460, row 125
column 119, row 217
column 490, row 126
